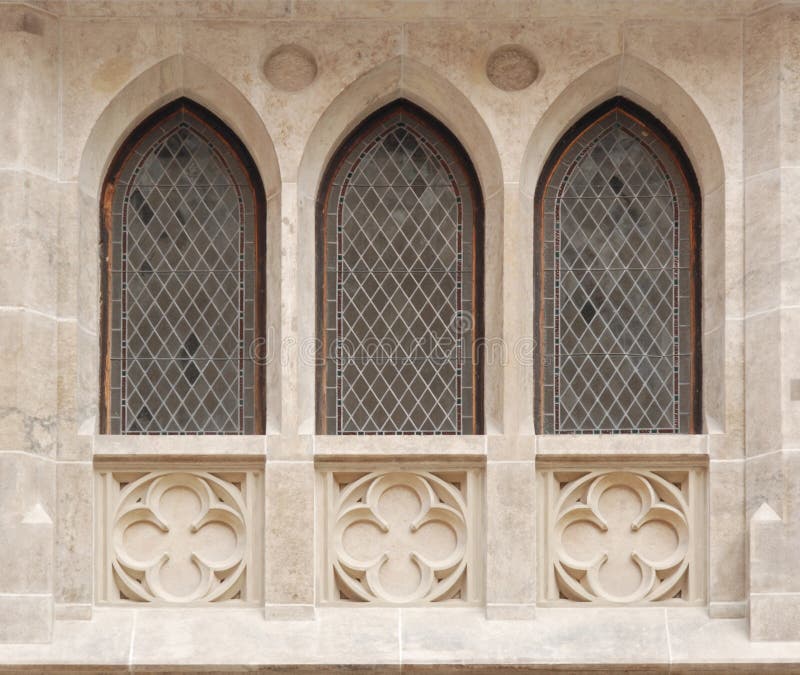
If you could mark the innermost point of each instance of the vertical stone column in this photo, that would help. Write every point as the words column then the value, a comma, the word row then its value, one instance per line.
column 772, row 315
column 289, row 475
column 28, row 319
column 510, row 474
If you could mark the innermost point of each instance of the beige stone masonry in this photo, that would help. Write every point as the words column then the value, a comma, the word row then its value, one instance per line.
column 399, row 553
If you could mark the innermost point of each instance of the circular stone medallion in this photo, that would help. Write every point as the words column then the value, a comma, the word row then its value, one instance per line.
column 290, row 67
column 511, row 68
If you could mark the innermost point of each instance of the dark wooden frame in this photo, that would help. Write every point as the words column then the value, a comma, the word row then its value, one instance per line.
column 237, row 148
column 443, row 134
column 673, row 146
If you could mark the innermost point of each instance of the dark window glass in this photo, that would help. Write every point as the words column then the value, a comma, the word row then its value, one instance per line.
column 399, row 229
column 184, row 286
column 618, row 279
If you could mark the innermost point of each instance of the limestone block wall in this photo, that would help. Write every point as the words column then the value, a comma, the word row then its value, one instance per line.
column 31, row 319
column 292, row 79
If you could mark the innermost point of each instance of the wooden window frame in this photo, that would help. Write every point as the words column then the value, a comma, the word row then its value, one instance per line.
column 240, row 152
column 459, row 155
column 682, row 162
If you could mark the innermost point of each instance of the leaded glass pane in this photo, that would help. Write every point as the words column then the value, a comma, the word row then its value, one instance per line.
column 615, row 284
column 399, row 250
column 182, row 285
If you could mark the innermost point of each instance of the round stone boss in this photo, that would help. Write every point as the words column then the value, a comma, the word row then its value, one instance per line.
column 511, row 68
column 290, row 67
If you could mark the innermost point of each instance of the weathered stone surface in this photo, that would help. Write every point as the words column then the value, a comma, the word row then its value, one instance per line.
column 511, row 68
column 290, row 68
column 292, row 79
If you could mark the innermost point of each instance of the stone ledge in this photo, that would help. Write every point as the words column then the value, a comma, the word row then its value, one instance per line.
column 400, row 446
column 658, row 639
column 114, row 447
column 621, row 444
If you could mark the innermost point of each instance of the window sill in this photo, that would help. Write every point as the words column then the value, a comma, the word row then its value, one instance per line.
column 400, row 447
column 178, row 447
column 622, row 444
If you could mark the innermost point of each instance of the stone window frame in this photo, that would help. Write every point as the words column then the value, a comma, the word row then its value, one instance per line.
column 248, row 167
column 674, row 148
column 341, row 154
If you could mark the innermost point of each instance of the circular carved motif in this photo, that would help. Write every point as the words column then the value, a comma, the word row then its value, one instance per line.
column 621, row 536
column 511, row 68
column 400, row 536
column 290, row 68
column 179, row 537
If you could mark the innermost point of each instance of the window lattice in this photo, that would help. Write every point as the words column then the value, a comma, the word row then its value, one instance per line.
column 399, row 228
column 617, row 284
column 182, row 284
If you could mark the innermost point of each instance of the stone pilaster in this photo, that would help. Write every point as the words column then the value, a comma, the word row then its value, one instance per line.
column 772, row 315
column 28, row 319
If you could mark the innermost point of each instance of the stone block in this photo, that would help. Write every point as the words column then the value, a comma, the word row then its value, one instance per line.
column 762, row 241
column 790, row 371
column 29, row 69
column 28, row 564
column 74, row 550
column 761, row 92
column 727, row 532
column 775, row 617
column 26, row 618
column 28, row 383
column 29, row 206
column 510, row 534
column 289, row 542
column 762, row 377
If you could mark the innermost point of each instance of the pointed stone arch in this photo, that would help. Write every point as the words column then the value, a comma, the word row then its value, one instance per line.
column 173, row 78
column 648, row 87
column 630, row 77
column 402, row 78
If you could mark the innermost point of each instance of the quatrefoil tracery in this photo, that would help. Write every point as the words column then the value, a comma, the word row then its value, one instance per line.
column 419, row 567
column 619, row 539
column 180, row 537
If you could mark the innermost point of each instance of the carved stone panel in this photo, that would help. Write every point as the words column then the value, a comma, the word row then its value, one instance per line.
column 621, row 535
column 179, row 536
column 400, row 536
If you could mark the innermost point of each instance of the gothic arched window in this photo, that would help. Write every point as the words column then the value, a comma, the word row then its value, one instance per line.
column 399, row 236
column 183, row 239
column 618, row 279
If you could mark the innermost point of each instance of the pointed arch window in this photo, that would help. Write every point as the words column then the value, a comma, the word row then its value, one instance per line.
column 183, row 242
column 618, row 279
column 399, row 235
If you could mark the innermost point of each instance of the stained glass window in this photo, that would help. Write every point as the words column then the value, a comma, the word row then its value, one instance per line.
column 617, row 278
column 183, row 243
column 399, row 227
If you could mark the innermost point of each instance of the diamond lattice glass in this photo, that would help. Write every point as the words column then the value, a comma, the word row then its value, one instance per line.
column 182, row 285
column 616, row 284
column 399, row 280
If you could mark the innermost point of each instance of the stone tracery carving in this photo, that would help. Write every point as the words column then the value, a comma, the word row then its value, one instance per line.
column 179, row 537
column 620, row 536
column 400, row 537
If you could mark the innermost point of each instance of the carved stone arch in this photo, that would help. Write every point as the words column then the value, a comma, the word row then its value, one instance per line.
column 173, row 78
column 648, row 87
column 402, row 78
column 662, row 97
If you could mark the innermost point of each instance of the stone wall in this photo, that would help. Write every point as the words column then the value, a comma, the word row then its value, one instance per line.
column 292, row 79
